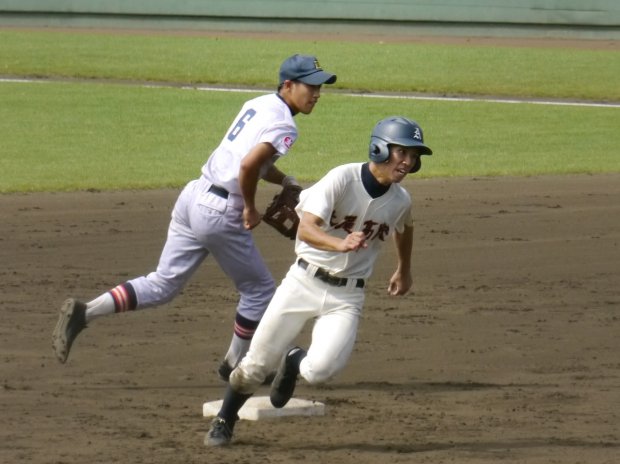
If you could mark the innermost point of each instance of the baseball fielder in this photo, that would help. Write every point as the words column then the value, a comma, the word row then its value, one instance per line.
column 345, row 219
column 215, row 213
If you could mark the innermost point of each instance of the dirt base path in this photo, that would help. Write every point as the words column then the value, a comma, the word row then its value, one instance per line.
column 506, row 352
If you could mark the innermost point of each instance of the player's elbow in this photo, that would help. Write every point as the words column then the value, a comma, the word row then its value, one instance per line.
column 303, row 232
column 310, row 231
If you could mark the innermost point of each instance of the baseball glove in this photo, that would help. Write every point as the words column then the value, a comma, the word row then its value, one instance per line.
column 280, row 213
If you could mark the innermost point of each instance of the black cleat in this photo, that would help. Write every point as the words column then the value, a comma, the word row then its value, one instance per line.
column 224, row 371
column 71, row 321
column 283, row 385
column 220, row 433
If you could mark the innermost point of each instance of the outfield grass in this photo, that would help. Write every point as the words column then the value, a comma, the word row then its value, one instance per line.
column 61, row 136
column 67, row 136
column 401, row 67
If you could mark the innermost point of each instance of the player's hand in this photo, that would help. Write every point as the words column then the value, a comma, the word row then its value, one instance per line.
column 354, row 241
column 399, row 284
column 251, row 218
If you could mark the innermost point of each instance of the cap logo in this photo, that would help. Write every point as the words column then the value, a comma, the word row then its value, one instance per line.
column 317, row 65
column 416, row 134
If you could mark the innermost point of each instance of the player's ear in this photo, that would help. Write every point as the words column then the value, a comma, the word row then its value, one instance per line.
column 287, row 84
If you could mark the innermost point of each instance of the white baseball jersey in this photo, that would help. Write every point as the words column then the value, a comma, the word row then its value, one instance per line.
column 345, row 206
column 263, row 119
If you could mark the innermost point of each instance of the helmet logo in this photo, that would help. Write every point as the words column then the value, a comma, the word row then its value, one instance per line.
column 416, row 134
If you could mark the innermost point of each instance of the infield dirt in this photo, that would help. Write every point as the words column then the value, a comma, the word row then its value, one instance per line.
column 507, row 350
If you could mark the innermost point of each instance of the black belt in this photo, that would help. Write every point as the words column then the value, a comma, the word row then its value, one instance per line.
column 326, row 277
column 219, row 191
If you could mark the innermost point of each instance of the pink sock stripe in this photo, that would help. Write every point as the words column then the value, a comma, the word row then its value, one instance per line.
column 244, row 333
column 121, row 298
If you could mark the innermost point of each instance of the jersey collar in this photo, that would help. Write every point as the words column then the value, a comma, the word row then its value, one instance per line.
column 287, row 105
column 372, row 185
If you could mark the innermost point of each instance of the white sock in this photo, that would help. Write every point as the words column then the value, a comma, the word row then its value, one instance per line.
column 100, row 306
column 237, row 350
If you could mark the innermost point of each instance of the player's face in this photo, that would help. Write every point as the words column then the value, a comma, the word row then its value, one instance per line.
column 303, row 97
column 401, row 160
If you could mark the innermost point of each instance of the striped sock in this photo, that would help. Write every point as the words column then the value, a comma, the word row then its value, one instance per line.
column 243, row 332
column 244, row 328
column 124, row 297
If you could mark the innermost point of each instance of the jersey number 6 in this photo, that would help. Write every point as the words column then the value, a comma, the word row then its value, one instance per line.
column 249, row 114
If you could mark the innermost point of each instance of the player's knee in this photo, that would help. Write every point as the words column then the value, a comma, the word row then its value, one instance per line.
column 165, row 293
column 247, row 380
column 154, row 290
column 267, row 290
column 257, row 298
column 316, row 372
column 271, row 290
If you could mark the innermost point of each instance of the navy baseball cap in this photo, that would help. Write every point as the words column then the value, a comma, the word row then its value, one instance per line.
column 306, row 69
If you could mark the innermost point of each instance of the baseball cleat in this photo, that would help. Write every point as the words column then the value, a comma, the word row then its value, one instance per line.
column 224, row 371
column 220, row 433
column 283, row 385
column 71, row 321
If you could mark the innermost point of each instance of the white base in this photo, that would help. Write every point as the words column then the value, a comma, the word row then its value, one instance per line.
column 259, row 407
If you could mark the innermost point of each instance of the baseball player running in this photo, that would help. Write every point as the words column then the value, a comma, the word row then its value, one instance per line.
column 215, row 214
column 344, row 220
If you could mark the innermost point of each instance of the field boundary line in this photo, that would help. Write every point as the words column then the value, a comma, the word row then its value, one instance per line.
column 396, row 96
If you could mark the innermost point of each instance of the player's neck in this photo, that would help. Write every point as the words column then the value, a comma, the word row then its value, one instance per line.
column 373, row 186
column 293, row 112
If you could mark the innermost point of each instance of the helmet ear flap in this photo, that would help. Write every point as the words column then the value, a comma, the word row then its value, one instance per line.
column 378, row 150
column 416, row 167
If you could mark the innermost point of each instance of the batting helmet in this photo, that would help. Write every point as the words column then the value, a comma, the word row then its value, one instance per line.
column 396, row 130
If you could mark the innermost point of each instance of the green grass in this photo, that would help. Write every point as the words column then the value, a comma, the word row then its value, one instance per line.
column 104, row 135
column 62, row 136
column 507, row 71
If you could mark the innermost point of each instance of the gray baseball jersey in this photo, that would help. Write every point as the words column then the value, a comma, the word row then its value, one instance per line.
column 207, row 217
